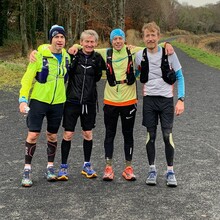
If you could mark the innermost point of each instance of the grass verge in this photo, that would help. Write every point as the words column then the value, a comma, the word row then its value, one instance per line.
column 11, row 73
column 201, row 55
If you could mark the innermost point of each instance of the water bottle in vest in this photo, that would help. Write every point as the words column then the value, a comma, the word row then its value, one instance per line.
column 41, row 77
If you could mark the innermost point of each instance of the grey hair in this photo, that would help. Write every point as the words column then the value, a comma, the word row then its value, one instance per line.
column 86, row 33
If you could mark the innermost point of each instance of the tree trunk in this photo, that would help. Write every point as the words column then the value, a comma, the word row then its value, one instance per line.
column 3, row 21
column 31, row 21
column 121, row 14
column 70, row 24
column 46, row 31
column 114, row 13
column 23, row 8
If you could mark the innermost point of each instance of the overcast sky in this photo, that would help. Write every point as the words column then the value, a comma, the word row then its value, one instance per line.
column 198, row 3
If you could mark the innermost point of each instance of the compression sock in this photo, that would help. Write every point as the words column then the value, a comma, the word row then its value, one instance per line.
column 29, row 152
column 51, row 151
column 65, row 149
column 87, row 147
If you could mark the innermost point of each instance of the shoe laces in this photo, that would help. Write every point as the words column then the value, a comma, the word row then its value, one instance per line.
column 152, row 174
column 171, row 175
column 87, row 166
column 50, row 170
column 63, row 166
column 27, row 174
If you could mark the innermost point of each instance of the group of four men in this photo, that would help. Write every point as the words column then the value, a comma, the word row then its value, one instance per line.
column 81, row 69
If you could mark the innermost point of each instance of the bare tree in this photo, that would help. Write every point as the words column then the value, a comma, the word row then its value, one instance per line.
column 118, row 13
column 23, row 7
column 121, row 14
column 46, row 18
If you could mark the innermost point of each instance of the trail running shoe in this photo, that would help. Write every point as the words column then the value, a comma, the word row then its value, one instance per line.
column 26, row 179
column 50, row 174
column 152, row 178
column 171, row 179
column 63, row 173
column 128, row 174
column 108, row 174
column 88, row 171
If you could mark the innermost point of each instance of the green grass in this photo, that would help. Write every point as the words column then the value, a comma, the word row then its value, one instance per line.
column 203, row 56
column 11, row 73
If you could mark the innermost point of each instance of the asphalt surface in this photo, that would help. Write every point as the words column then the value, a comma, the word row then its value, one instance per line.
column 196, row 135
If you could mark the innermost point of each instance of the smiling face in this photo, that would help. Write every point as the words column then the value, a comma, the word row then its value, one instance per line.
column 88, row 42
column 118, row 42
column 151, row 39
column 57, row 43
column 151, row 36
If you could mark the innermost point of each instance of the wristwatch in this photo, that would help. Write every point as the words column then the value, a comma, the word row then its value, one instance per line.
column 181, row 99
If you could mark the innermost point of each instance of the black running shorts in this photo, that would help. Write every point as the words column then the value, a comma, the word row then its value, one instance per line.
column 72, row 112
column 39, row 110
column 155, row 108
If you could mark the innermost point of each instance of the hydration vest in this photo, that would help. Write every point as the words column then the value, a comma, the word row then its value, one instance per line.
column 130, row 79
column 41, row 77
column 95, row 61
column 168, row 74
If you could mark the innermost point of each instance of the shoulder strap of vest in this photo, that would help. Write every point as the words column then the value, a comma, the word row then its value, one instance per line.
column 144, row 67
column 109, row 60
column 109, row 70
column 128, row 51
column 164, row 57
column 144, row 54
column 130, row 61
column 109, row 54
column 130, row 69
column 168, row 74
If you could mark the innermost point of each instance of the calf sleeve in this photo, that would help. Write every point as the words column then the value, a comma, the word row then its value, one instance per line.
column 87, row 147
column 51, row 150
column 29, row 152
column 65, row 149
column 150, row 146
column 169, row 146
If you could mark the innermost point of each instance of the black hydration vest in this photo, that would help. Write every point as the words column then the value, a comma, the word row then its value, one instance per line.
column 168, row 74
column 130, row 79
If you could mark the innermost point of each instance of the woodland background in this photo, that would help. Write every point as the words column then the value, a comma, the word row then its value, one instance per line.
column 28, row 21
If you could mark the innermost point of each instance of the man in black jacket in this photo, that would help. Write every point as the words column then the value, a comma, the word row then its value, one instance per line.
column 85, row 71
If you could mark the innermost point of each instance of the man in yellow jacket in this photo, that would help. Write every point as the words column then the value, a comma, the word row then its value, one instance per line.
column 49, row 73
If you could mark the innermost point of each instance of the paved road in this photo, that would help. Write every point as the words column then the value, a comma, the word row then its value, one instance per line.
column 196, row 134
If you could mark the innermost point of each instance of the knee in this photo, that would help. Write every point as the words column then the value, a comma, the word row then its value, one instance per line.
column 67, row 135
column 51, row 137
column 166, row 134
column 32, row 137
column 87, row 135
column 168, row 137
column 151, row 136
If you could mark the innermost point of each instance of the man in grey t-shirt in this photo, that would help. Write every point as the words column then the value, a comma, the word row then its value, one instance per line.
column 158, row 98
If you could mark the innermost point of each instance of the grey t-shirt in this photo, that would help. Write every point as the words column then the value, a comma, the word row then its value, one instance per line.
column 156, row 86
